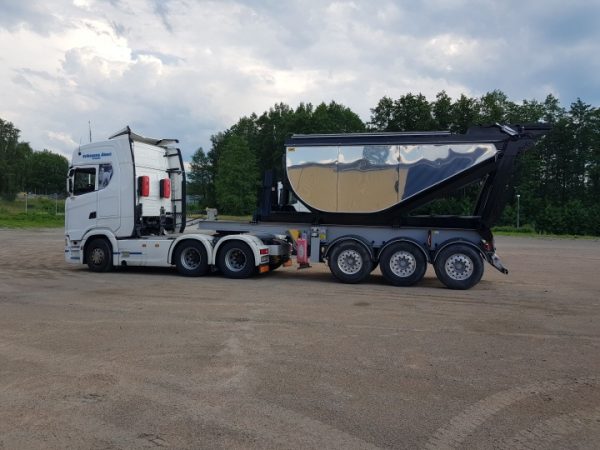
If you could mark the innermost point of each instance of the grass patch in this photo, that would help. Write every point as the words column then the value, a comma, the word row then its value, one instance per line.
column 32, row 220
column 528, row 231
column 40, row 213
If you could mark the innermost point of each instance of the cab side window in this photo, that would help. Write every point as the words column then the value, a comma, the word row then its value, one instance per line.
column 105, row 172
column 84, row 180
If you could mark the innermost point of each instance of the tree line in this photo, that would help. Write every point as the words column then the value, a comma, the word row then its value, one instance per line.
column 24, row 170
column 558, row 182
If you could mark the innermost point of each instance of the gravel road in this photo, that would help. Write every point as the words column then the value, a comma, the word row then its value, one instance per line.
column 145, row 358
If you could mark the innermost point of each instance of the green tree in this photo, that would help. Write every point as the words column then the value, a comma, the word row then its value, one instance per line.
column 236, row 179
column 13, row 160
column 494, row 107
column 442, row 111
column 201, row 179
column 408, row 113
column 382, row 115
column 465, row 113
column 413, row 113
column 47, row 172
column 272, row 127
column 334, row 118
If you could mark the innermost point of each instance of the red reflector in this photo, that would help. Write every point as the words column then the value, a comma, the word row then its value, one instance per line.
column 488, row 246
column 165, row 188
column 144, row 186
column 264, row 251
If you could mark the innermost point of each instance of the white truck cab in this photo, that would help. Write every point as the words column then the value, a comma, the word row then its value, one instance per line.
column 130, row 185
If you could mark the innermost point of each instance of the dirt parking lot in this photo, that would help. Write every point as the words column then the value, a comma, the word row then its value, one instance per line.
column 146, row 358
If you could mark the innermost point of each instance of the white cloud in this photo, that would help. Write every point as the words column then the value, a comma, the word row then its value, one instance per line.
column 62, row 140
column 188, row 69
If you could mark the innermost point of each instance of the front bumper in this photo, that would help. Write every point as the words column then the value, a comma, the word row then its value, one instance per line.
column 72, row 251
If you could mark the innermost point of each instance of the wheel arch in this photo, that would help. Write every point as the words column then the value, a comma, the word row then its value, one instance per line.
column 351, row 238
column 206, row 241
column 459, row 241
column 409, row 241
column 99, row 234
column 253, row 242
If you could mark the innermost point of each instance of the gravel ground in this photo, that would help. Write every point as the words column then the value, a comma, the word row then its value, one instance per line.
column 146, row 358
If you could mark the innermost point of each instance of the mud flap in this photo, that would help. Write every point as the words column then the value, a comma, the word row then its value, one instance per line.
column 494, row 260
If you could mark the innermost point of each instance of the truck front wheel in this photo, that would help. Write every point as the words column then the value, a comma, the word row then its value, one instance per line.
column 350, row 262
column 191, row 259
column 98, row 255
column 236, row 260
column 459, row 266
column 403, row 264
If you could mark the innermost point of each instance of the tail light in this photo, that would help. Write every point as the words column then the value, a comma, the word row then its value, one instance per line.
column 488, row 246
column 144, row 186
column 165, row 188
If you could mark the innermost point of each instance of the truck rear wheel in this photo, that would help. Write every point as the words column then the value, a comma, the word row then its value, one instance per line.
column 403, row 264
column 350, row 262
column 236, row 260
column 459, row 266
column 98, row 255
column 191, row 259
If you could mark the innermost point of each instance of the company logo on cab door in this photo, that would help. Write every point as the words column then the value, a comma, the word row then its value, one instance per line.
column 96, row 155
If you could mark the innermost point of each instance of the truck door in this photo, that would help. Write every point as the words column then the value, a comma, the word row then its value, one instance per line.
column 82, row 203
column 108, row 197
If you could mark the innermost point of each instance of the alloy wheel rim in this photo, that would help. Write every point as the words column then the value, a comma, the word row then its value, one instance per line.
column 459, row 267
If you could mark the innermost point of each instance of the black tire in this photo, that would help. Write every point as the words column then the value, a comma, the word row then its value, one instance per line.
column 191, row 259
column 350, row 262
column 98, row 255
column 236, row 260
column 459, row 266
column 403, row 264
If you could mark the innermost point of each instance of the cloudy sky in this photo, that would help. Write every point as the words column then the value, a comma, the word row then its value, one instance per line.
column 190, row 68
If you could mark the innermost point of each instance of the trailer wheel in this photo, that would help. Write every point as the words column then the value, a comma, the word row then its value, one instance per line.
column 191, row 259
column 98, row 255
column 350, row 262
column 236, row 260
column 459, row 266
column 403, row 264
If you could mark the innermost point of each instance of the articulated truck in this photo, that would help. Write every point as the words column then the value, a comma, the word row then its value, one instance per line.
column 346, row 200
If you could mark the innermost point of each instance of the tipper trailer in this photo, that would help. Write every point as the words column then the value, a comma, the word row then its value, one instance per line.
column 346, row 200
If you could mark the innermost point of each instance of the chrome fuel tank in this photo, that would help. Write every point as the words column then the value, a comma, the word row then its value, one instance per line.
column 368, row 178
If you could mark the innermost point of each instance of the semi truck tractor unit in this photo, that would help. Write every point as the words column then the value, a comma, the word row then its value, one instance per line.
column 126, row 207
column 345, row 199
